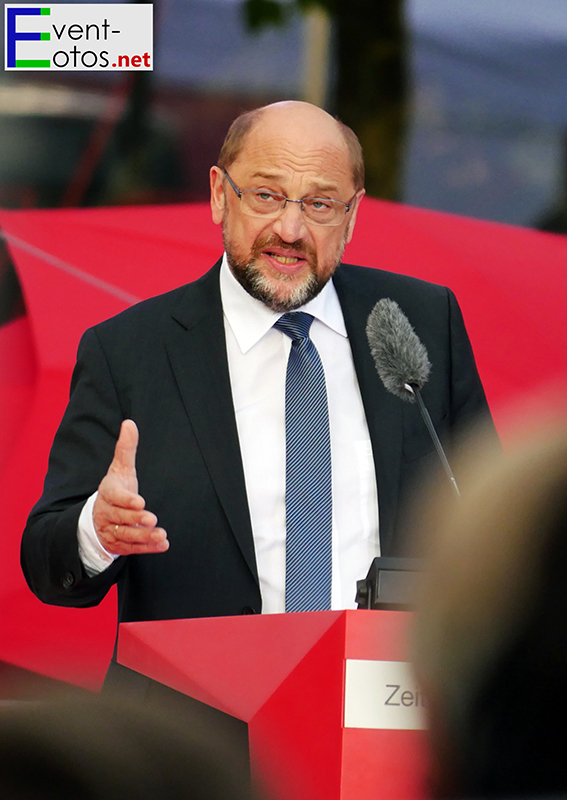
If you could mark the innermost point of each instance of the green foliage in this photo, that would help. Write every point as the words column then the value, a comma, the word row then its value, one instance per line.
column 328, row 5
column 260, row 14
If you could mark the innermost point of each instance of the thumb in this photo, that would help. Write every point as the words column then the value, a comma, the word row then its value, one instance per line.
column 125, row 450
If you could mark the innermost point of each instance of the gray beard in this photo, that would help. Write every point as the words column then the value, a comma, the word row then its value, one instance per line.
column 260, row 287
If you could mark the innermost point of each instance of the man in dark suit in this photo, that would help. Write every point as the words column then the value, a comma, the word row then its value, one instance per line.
column 187, row 391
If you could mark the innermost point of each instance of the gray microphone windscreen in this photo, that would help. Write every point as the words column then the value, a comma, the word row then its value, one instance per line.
column 399, row 355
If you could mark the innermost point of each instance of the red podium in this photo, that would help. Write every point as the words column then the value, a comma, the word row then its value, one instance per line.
column 331, row 707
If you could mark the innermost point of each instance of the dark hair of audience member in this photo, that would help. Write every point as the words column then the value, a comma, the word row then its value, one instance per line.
column 490, row 640
column 92, row 750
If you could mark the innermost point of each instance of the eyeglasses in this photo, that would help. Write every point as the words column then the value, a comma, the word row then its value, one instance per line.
column 319, row 210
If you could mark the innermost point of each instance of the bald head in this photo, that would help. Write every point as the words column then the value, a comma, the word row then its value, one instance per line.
column 297, row 121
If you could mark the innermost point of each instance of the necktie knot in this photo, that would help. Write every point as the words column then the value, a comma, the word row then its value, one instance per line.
column 295, row 324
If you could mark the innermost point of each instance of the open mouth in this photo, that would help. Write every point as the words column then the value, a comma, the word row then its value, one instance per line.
column 285, row 264
column 284, row 259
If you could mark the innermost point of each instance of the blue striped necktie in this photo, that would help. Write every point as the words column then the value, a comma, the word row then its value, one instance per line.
column 308, row 491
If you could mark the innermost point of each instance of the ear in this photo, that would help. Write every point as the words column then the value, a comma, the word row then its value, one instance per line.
column 218, row 197
column 352, row 214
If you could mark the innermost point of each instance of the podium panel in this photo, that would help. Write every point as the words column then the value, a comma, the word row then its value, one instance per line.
column 331, row 707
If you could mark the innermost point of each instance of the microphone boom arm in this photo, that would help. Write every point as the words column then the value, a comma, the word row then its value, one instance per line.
column 414, row 389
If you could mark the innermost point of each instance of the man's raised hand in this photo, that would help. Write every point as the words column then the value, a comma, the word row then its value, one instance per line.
column 121, row 521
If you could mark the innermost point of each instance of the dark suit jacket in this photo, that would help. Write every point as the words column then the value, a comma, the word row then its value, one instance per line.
column 163, row 363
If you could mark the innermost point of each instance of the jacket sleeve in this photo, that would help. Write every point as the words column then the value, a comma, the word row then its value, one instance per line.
column 81, row 453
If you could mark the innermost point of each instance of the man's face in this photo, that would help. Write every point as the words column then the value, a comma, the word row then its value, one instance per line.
column 285, row 262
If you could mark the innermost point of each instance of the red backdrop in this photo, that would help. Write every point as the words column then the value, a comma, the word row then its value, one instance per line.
column 77, row 267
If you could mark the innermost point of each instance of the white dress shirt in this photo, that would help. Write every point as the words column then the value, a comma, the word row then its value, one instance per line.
column 257, row 361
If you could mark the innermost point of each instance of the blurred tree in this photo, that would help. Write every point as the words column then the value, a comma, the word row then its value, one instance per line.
column 370, row 84
column 555, row 218
column 125, row 160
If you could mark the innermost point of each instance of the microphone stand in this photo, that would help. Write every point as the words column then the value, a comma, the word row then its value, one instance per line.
column 391, row 582
column 414, row 389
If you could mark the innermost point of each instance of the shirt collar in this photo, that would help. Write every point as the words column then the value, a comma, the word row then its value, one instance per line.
column 250, row 319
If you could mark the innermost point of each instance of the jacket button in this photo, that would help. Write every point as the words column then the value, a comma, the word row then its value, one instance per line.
column 248, row 610
column 68, row 580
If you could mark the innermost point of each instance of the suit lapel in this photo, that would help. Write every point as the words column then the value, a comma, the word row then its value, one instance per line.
column 197, row 353
column 383, row 411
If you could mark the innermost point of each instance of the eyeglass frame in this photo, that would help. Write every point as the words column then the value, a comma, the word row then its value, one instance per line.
column 240, row 192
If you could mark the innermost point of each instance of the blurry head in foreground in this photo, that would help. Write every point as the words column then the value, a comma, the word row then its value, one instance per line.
column 89, row 750
column 490, row 640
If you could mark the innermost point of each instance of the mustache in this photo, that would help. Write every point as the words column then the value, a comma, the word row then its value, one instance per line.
column 273, row 240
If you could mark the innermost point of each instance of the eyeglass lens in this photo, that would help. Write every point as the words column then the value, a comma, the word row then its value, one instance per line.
column 322, row 211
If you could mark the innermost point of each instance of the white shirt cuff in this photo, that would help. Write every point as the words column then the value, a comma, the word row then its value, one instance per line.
column 91, row 552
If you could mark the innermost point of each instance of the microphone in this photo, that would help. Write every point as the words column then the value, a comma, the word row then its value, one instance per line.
column 403, row 364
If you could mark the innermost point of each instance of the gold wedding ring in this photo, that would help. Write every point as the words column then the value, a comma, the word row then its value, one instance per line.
column 115, row 529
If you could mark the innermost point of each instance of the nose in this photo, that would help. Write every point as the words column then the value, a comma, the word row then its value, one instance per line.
column 290, row 225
